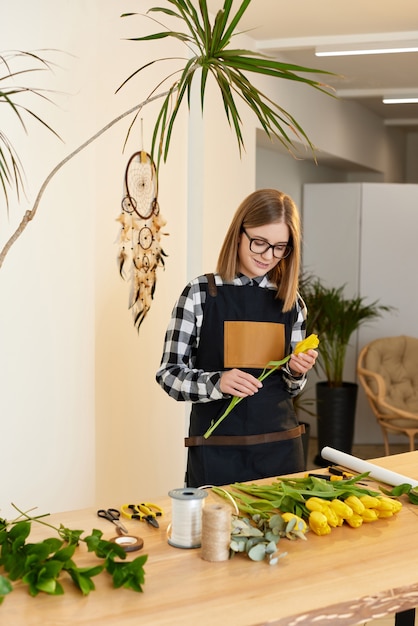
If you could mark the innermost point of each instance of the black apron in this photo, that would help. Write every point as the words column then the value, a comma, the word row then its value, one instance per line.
column 264, row 417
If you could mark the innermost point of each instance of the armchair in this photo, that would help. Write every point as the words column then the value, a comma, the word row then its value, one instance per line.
column 388, row 372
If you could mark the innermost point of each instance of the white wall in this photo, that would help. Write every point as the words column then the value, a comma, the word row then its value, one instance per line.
column 82, row 419
column 368, row 246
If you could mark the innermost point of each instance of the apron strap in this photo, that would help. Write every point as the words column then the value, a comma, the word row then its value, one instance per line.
column 246, row 440
column 212, row 288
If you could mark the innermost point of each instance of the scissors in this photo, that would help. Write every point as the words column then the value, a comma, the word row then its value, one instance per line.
column 113, row 516
column 146, row 511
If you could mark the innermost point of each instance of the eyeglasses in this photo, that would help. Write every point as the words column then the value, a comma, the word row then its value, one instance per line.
column 261, row 246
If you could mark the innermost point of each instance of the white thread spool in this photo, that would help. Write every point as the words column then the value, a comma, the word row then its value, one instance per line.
column 216, row 533
column 186, row 517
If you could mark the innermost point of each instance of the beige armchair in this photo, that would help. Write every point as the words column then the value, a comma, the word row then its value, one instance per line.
column 388, row 371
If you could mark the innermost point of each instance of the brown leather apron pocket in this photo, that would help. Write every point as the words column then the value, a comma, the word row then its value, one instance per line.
column 252, row 344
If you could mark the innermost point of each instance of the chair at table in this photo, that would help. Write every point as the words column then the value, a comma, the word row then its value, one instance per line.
column 388, row 371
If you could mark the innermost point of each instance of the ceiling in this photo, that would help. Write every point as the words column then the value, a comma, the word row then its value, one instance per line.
column 294, row 29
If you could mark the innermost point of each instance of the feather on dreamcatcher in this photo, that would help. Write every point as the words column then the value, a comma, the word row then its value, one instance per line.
column 140, row 251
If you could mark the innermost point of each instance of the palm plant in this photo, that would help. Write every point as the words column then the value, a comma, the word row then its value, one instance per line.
column 334, row 319
column 209, row 52
column 209, row 47
column 13, row 94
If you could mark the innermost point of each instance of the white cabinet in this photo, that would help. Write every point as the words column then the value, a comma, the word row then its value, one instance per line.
column 365, row 236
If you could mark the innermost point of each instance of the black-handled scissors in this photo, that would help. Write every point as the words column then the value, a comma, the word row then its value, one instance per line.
column 113, row 515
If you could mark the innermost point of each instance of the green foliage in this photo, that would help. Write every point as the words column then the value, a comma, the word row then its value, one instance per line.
column 41, row 565
column 258, row 538
column 288, row 495
column 404, row 488
column 15, row 95
column 209, row 53
column 334, row 318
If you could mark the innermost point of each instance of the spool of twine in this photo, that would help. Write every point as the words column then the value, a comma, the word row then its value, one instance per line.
column 216, row 533
column 186, row 517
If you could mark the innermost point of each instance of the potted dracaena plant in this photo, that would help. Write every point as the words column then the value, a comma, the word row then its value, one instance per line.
column 210, row 54
column 334, row 318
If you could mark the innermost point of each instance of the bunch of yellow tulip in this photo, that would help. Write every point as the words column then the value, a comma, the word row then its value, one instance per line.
column 354, row 510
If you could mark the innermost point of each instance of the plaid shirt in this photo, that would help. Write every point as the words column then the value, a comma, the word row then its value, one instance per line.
column 177, row 373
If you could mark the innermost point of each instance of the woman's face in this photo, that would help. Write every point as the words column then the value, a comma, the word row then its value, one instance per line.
column 252, row 263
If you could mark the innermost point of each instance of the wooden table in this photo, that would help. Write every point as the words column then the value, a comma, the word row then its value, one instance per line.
column 348, row 577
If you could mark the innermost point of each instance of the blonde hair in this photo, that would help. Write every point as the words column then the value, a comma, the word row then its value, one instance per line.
column 265, row 206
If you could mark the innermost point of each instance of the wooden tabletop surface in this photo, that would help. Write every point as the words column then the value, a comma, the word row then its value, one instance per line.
column 347, row 577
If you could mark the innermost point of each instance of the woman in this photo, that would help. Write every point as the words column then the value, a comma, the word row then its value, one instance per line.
column 224, row 329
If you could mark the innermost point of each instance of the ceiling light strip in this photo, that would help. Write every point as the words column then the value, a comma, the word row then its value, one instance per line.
column 388, row 47
column 401, row 100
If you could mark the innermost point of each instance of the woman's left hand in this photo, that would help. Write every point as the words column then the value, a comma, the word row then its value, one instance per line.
column 301, row 363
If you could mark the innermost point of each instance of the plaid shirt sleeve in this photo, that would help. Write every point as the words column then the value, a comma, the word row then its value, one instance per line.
column 177, row 374
column 295, row 384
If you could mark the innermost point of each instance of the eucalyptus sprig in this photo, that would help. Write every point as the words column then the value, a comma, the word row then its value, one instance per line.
column 310, row 343
column 209, row 53
column 41, row 565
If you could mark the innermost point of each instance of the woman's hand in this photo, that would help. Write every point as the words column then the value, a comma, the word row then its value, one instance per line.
column 301, row 363
column 238, row 383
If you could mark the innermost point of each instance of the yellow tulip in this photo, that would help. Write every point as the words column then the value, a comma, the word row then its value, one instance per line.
column 355, row 520
column 318, row 523
column 381, row 514
column 332, row 518
column 369, row 515
column 370, row 502
column 316, row 504
column 355, row 504
column 387, row 504
column 341, row 508
column 309, row 343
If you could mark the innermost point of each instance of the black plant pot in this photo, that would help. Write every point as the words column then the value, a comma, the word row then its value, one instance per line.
column 336, row 410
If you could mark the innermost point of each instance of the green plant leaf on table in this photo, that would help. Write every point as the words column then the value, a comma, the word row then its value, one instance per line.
column 40, row 565
column 309, row 343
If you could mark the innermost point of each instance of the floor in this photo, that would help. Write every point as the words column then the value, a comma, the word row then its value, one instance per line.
column 362, row 452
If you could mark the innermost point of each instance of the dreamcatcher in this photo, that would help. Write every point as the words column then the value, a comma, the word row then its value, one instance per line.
column 140, row 251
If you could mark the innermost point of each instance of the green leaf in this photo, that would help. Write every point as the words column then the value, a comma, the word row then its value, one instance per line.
column 258, row 552
column 82, row 579
column 71, row 536
column 47, row 585
column 129, row 575
column 271, row 547
column 234, row 22
column 102, row 548
column 238, row 544
column 207, row 49
column 66, row 553
column 19, row 531
column 5, row 587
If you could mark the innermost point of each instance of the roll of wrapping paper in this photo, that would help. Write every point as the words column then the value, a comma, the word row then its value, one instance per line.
column 358, row 465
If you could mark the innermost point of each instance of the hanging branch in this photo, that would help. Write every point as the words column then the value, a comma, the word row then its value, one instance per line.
column 30, row 214
column 211, row 54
